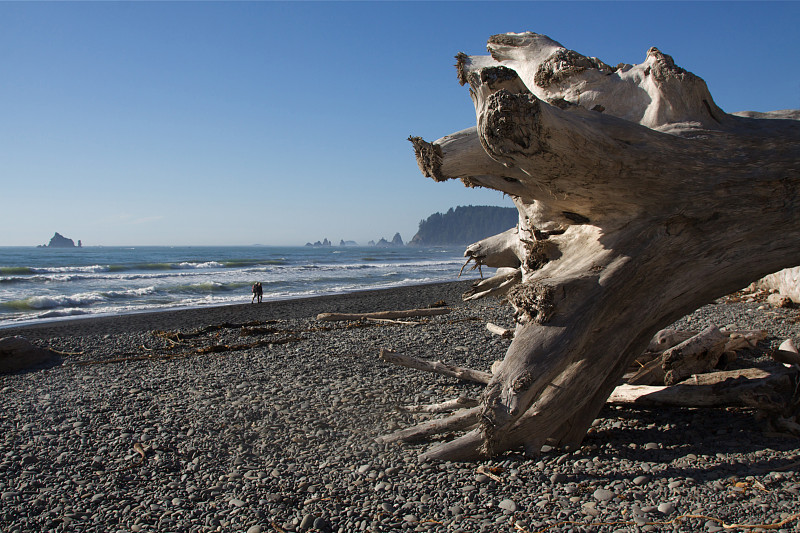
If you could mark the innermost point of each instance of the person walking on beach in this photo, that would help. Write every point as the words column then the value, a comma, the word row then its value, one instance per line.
column 258, row 292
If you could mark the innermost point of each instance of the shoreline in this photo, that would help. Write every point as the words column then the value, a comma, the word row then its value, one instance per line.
column 394, row 298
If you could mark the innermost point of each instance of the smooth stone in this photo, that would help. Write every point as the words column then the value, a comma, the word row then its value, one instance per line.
column 254, row 529
column 307, row 522
column 603, row 495
column 508, row 505
column 590, row 509
column 666, row 508
column 236, row 502
column 641, row 480
column 321, row 524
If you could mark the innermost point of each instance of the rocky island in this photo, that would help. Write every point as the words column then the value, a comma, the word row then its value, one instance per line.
column 59, row 241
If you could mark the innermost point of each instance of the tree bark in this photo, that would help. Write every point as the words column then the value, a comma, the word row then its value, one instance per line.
column 640, row 200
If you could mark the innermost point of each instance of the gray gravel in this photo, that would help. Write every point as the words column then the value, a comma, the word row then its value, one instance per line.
column 279, row 437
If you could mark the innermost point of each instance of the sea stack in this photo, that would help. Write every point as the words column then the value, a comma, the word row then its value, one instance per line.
column 59, row 241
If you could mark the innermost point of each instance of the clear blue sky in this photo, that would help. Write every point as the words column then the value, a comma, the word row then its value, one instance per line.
column 281, row 123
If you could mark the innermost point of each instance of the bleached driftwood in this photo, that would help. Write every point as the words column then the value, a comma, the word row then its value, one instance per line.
column 437, row 367
column 639, row 199
column 461, row 402
column 501, row 331
column 787, row 353
column 699, row 353
column 773, row 392
column 498, row 285
column 462, row 419
column 388, row 315
column 786, row 282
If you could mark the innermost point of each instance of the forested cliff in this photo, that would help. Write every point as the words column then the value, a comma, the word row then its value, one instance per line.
column 464, row 225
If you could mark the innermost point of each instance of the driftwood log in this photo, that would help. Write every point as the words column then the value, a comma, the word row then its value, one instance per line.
column 786, row 282
column 639, row 200
column 383, row 315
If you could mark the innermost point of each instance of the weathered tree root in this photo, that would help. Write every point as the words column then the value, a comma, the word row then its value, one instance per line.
column 775, row 394
column 639, row 199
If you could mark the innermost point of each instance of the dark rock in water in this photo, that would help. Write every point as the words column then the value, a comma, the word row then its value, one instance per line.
column 59, row 241
column 17, row 353
column 396, row 241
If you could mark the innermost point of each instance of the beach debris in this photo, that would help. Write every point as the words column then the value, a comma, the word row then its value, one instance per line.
column 390, row 321
column 492, row 472
column 463, row 419
column 698, row 353
column 449, row 405
column 389, row 315
column 501, row 331
column 466, row 374
column 787, row 353
column 785, row 283
column 18, row 353
column 639, row 200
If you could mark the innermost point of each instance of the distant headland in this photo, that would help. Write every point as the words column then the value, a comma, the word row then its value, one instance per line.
column 59, row 241
column 459, row 226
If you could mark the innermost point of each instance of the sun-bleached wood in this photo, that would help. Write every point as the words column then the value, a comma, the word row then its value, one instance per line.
column 786, row 282
column 438, row 367
column 383, row 315
column 639, row 200
column 750, row 387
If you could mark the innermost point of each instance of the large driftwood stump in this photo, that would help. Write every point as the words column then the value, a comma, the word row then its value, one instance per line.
column 639, row 200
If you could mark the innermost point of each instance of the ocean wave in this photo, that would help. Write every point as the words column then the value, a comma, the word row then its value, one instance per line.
column 138, row 292
column 62, row 313
column 68, row 269
column 84, row 299
column 205, row 264
column 55, row 301
column 15, row 271
column 206, row 287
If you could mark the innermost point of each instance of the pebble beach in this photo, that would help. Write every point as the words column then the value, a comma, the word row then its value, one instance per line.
column 259, row 418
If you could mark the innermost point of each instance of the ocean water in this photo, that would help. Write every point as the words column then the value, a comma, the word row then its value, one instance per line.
column 43, row 284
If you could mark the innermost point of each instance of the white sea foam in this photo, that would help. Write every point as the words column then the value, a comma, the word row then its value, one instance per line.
column 63, row 301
